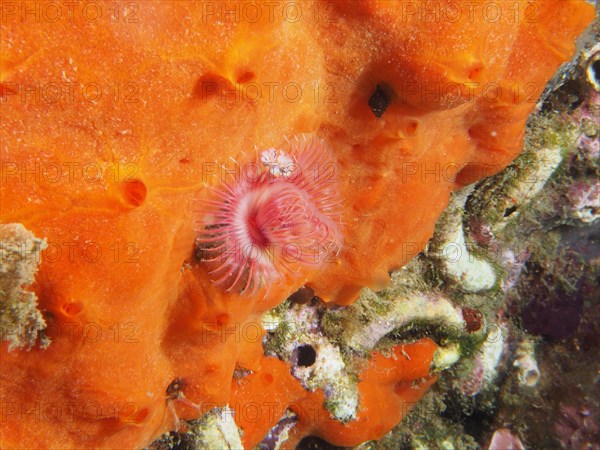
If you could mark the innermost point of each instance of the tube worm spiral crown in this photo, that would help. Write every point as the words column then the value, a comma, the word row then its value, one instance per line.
column 276, row 218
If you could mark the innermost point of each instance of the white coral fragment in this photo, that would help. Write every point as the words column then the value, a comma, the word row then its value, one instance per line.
column 416, row 306
column 449, row 246
column 491, row 352
column 446, row 357
column 526, row 364
column 584, row 201
column 217, row 429
column 473, row 274
column 328, row 371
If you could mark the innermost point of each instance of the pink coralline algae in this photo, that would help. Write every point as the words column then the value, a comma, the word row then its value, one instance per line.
column 577, row 429
column 584, row 200
column 504, row 439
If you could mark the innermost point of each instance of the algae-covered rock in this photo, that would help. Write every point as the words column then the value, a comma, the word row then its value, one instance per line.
column 21, row 322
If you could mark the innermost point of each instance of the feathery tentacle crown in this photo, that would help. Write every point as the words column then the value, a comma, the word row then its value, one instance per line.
column 276, row 218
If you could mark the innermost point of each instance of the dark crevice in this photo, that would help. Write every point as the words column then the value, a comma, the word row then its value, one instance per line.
column 380, row 99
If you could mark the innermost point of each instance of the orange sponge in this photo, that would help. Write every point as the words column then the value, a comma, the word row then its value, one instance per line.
column 116, row 119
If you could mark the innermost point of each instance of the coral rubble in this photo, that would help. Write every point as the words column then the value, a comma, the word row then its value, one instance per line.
column 541, row 316
column 21, row 322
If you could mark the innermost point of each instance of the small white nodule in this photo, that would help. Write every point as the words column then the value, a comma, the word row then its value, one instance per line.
column 278, row 162
column 526, row 364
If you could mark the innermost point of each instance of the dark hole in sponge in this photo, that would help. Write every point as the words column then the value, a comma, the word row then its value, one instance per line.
column 175, row 388
column 380, row 99
column 302, row 295
column 72, row 309
column 508, row 211
column 134, row 192
column 245, row 77
column 305, row 355
column 315, row 443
